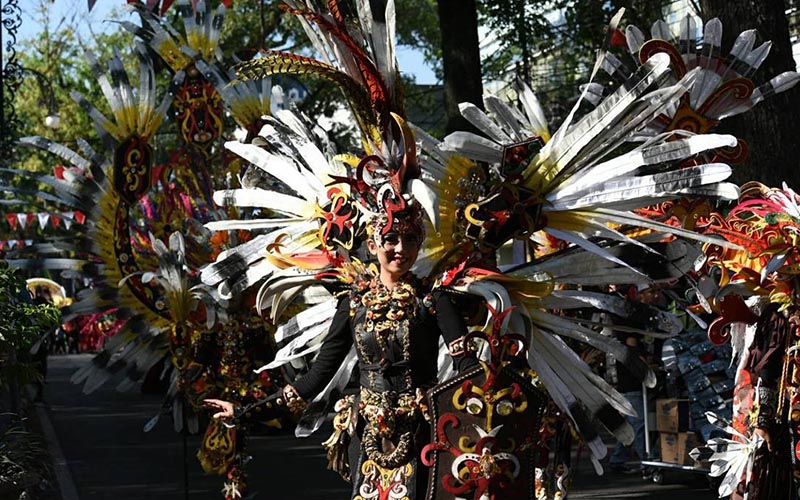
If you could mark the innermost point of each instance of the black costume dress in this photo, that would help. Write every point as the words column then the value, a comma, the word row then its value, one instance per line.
column 776, row 475
column 396, row 335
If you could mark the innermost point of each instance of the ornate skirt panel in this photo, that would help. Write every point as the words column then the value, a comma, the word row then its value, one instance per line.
column 371, row 481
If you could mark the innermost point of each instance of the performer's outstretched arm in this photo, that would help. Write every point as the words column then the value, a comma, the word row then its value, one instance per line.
column 333, row 351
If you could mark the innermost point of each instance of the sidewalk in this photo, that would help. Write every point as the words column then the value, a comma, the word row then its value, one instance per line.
column 101, row 452
column 106, row 454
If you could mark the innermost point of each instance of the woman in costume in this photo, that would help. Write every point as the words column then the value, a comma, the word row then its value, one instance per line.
column 395, row 322
column 317, row 206
column 773, row 417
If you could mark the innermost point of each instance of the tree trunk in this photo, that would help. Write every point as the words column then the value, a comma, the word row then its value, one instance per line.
column 461, row 61
column 769, row 128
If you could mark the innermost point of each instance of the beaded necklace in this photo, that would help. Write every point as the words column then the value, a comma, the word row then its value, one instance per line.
column 387, row 315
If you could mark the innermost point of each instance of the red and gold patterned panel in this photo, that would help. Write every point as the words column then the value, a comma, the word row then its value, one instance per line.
column 486, row 436
column 198, row 112
column 133, row 163
column 149, row 294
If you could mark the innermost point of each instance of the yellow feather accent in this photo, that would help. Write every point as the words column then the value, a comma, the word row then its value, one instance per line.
column 149, row 123
column 284, row 63
column 248, row 109
column 538, row 174
column 112, row 128
column 348, row 159
column 128, row 117
column 523, row 288
column 197, row 41
column 437, row 243
column 308, row 241
column 180, row 302
column 202, row 44
column 171, row 53
column 567, row 221
column 136, row 119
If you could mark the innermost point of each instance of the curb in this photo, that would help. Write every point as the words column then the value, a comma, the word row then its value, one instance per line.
column 66, row 485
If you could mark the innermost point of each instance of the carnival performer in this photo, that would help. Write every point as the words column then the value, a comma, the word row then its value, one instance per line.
column 760, row 462
column 318, row 208
column 395, row 325
column 767, row 364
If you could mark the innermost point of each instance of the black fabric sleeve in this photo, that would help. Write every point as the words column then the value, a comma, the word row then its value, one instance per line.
column 765, row 363
column 453, row 327
column 334, row 348
column 768, row 350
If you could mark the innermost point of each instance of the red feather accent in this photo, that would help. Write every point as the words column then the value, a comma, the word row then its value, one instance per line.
column 373, row 80
column 166, row 4
column 336, row 12
column 618, row 38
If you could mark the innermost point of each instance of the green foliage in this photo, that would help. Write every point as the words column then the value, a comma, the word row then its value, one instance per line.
column 24, row 460
column 55, row 65
column 23, row 325
column 521, row 30
column 550, row 44
column 254, row 25
column 324, row 99
column 57, row 54
column 418, row 27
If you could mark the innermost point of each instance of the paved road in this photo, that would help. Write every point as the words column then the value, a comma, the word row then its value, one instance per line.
column 106, row 455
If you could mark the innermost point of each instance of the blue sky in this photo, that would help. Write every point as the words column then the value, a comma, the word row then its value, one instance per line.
column 67, row 8
column 409, row 60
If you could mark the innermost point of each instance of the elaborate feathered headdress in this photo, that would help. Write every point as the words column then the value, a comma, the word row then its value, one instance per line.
column 766, row 224
column 331, row 202
column 574, row 185
column 359, row 57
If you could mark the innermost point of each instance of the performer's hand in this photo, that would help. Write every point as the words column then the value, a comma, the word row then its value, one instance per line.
column 765, row 436
column 291, row 399
column 224, row 409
